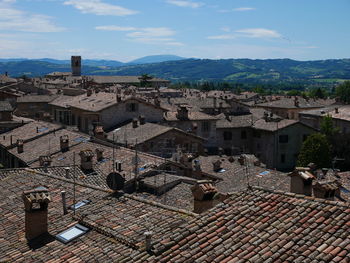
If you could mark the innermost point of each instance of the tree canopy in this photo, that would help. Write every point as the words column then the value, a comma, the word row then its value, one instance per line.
column 343, row 91
column 315, row 149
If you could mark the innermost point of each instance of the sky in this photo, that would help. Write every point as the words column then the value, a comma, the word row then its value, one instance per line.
column 124, row 30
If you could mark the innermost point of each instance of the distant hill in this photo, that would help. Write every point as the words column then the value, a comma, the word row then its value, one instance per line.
column 156, row 59
column 277, row 71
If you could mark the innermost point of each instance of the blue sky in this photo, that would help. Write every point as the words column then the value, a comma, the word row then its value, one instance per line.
column 128, row 29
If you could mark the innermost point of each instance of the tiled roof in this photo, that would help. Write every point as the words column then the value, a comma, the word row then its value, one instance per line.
column 285, row 102
column 27, row 132
column 262, row 124
column 102, row 168
column 192, row 116
column 117, row 223
column 236, row 177
column 36, row 98
column 121, row 79
column 197, row 103
column 263, row 226
column 342, row 114
column 142, row 133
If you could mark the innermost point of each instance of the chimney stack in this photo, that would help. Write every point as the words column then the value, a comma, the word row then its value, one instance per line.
column 118, row 98
column 67, row 169
column 99, row 154
column 142, row 119
column 182, row 113
column 45, row 161
column 99, row 132
column 148, row 240
column 36, row 210
column 134, row 123
column 20, row 146
column 203, row 194
column 86, row 160
column 336, row 110
column 217, row 165
column 64, row 203
column 89, row 92
column 64, row 143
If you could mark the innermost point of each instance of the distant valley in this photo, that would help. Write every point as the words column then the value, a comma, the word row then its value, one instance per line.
column 177, row 69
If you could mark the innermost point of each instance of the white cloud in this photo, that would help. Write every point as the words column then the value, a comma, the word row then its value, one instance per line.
column 152, row 32
column 17, row 20
column 147, row 35
column 259, row 33
column 115, row 28
column 238, row 9
column 99, row 8
column 241, row 9
column 185, row 3
column 227, row 36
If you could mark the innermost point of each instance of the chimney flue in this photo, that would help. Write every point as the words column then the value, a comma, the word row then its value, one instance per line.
column 148, row 240
column 20, row 147
column 63, row 195
column 134, row 123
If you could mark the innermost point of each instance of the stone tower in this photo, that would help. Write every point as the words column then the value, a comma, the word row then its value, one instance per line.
column 76, row 65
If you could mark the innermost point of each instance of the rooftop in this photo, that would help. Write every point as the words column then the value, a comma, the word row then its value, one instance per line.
column 263, row 226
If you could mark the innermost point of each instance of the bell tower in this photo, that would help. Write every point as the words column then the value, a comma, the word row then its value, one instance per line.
column 76, row 65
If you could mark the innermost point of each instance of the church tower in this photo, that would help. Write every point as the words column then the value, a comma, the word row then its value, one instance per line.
column 76, row 65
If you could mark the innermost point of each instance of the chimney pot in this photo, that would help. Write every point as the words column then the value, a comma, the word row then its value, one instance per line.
column 67, row 169
column 148, row 240
column 63, row 195
column 64, row 143
column 86, row 160
column 20, row 146
column 134, row 123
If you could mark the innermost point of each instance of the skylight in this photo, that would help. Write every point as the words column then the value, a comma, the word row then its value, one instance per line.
column 79, row 204
column 43, row 129
column 72, row 233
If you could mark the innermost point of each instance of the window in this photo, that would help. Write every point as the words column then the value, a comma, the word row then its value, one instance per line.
column 283, row 158
column 243, row 135
column 227, row 135
column 283, row 138
column 72, row 233
column 205, row 126
column 131, row 107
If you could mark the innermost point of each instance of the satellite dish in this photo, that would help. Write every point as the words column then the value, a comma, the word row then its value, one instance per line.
column 115, row 181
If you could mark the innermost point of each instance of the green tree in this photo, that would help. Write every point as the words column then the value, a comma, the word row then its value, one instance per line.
column 145, row 80
column 343, row 91
column 327, row 128
column 315, row 149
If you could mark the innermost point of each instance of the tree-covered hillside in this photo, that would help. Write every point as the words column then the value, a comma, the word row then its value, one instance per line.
column 323, row 72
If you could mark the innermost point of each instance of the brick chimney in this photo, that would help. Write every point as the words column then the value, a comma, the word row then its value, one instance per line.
column 99, row 132
column 45, row 160
column 217, row 165
column 203, row 195
column 327, row 190
column 99, row 154
column 86, row 160
column 134, row 123
column 20, row 146
column 182, row 113
column 64, row 143
column 142, row 119
column 36, row 209
column 301, row 181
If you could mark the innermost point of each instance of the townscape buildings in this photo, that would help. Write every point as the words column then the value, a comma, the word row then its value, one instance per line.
column 127, row 169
